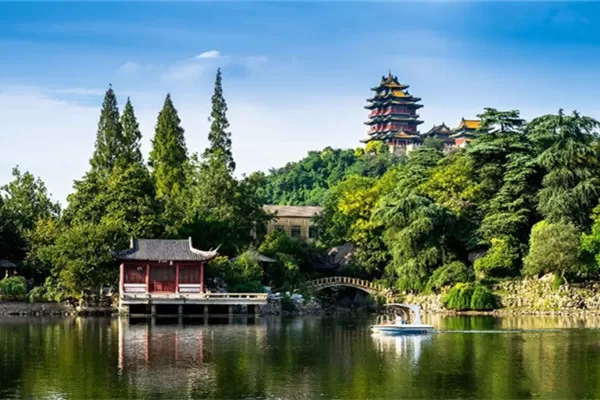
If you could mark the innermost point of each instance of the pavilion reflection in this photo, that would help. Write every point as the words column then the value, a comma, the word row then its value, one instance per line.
column 407, row 347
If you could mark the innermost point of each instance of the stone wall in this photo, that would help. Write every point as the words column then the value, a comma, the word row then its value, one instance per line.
column 530, row 296
column 10, row 308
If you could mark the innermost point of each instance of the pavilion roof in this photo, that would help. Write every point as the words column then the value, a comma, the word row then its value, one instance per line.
column 6, row 264
column 471, row 124
column 163, row 250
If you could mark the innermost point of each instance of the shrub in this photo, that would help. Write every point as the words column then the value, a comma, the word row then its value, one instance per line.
column 459, row 297
column 36, row 295
column 500, row 260
column 450, row 274
column 465, row 296
column 483, row 299
column 13, row 288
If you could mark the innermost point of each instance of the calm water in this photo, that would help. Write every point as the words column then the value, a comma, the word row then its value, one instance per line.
column 472, row 357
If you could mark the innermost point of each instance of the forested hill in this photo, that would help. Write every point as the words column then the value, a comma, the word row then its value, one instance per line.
column 307, row 181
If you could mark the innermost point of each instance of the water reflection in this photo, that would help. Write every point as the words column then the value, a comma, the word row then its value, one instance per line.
column 407, row 347
column 299, row 358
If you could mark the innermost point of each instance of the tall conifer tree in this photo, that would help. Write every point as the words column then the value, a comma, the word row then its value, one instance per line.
column 131, row 136
column 109, row 138
column 169, row 152
column 219, row 137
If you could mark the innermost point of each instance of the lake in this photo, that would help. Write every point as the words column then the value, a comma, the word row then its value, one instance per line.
column 304, row 358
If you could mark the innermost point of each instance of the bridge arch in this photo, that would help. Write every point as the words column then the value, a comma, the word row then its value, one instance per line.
column 369, row 287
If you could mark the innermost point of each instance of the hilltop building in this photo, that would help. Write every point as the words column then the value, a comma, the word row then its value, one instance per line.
column 393, row 119
column 296, row 221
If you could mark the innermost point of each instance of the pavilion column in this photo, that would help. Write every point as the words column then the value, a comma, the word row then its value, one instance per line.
column 201, row 277
column 122, row 279
column 176, row 278
column 147, row 278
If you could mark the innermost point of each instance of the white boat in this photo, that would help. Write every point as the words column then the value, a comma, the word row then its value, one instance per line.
column 399, row 325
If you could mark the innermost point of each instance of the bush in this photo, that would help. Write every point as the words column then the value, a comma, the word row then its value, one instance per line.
column 449, row 274
column 483, row 299
column 500, row 260
column 36, row 295
column 13, row 288
column 464, row 297
column 459, row 297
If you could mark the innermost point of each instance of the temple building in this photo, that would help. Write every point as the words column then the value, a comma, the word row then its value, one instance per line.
column 393, row 119
column 166, row 276
column 393, row 116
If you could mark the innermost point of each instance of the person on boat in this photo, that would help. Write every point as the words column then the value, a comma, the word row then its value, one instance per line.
column 399, row 320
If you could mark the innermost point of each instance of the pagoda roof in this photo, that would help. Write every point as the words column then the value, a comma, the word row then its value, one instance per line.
column 163, row 250
column 392, row 101
column 390, row 81
column 468, row 124
column 381, row 119
column 256, row 256
column 441, row 129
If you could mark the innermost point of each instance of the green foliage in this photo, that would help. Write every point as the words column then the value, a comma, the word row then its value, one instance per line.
column 459, row 297
column 218, row 137
column 450, row 274
column 554, row 247
column 571, row 160
column 463, row 297
column 36, row 295
column 109, row 147
column 80, row 259
column 483, row 299
column 500, row 260
column 13, row 288
column 308, row 181
column 168, row 156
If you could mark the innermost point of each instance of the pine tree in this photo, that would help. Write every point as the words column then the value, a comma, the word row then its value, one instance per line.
column 169, row 152
column 109, row 138
column 219, row 137
column 131, row 136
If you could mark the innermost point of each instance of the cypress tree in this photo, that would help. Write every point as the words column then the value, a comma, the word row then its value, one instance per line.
column 109, row 138
column 169, row 152
column 218, row 137
column 131, row 136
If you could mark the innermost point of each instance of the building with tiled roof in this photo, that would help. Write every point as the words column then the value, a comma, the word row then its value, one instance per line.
column 393, row 119
column 296, row 221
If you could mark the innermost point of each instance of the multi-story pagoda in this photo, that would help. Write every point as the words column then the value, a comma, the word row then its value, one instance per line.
column 393, row 118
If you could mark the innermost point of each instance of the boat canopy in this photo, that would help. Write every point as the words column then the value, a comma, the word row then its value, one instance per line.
column 416, row 310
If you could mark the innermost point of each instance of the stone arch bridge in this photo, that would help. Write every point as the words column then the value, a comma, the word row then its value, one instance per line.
column 371, row 288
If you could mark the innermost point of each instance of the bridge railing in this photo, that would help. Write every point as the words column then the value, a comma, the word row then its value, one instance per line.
column 350, row 281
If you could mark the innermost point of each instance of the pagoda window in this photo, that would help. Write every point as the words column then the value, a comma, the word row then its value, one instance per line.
column 279, row 228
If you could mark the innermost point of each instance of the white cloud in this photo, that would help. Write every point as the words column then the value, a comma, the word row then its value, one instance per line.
column 209, row 54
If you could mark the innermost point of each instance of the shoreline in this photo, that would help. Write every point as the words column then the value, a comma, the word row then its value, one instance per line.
column 22, row 309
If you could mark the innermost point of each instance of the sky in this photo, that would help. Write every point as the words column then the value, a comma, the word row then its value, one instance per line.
column 296, row 76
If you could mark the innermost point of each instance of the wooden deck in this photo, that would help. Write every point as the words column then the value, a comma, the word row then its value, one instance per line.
column 195, row 298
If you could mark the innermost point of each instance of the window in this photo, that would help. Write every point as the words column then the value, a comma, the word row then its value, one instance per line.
column 313, row 232
column 296, row 231
column 279, row 228
column 135, row 274
column 189, row 274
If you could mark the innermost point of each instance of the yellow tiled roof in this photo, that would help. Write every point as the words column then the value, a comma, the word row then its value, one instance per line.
column 398, row 93
column 472, row 123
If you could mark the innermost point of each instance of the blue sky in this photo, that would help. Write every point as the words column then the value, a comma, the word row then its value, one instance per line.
column 296, row 75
